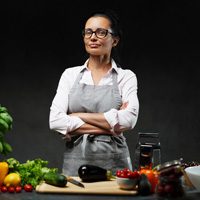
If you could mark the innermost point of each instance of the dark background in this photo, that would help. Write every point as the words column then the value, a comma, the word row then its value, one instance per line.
column 39, row 39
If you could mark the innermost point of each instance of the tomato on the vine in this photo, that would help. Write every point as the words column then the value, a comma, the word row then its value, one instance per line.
column 28, row 187
column 11, row 189
column 18, row 188
column 4, row 189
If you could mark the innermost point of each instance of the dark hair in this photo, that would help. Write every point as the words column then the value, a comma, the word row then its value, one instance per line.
column 112, row 16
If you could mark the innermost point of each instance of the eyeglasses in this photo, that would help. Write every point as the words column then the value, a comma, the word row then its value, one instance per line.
column 99, row 33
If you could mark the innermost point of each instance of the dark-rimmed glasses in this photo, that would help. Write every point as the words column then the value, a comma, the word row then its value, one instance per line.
column 99, row 33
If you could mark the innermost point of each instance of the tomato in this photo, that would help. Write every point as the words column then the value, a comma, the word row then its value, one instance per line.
column 123, row 173
column 18, row 188
column 28, row 187
column 152, row 177
column 118, row 173
column 127, row 173
column 135, row 174
column 4, row 189
column 11, row 189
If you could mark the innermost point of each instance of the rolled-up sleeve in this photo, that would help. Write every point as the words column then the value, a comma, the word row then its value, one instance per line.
column 59, row 121
column 125, row 119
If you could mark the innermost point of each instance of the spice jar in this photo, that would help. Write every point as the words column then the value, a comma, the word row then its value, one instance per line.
column 169, row 181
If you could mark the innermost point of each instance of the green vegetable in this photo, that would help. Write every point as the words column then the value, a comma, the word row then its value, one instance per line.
column 5, row 125
column 92, row 173
column 3, row 109
column 32, row 171
column 7, row 118
column 55, row 179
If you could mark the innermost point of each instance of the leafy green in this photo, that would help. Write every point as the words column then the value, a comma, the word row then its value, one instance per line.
column 6, row 122
column 32, row 171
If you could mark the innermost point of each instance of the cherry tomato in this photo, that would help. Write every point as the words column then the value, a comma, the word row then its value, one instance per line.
column 4, row 189
column 123, row 173
column 11, row 189
column 18, row 189
column 134, row 175
column 28, row 187
column 126, row 170
column 127, row 173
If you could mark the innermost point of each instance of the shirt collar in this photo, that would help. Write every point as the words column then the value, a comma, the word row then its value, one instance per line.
column 84, row 66
column 113, row 64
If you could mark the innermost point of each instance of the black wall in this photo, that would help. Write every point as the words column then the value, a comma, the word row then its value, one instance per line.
column 40, row 39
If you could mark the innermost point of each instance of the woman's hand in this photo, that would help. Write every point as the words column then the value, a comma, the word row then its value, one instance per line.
column 95, row 123
column 124, row 106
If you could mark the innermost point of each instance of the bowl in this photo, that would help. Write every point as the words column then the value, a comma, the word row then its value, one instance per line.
column 193, row 174
column 127, row 183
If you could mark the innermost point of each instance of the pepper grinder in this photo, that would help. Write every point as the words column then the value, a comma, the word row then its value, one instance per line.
column 147, row 142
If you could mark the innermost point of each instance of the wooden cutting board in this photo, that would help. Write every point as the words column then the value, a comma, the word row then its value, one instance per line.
column 101, row 187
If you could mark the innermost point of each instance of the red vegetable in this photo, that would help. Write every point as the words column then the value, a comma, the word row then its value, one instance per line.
column 4, row 189
column 18, row 189
column 127, row 173
column 28, row 187
column 11, row 189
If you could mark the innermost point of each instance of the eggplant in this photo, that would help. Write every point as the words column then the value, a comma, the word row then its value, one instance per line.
column 92, row 173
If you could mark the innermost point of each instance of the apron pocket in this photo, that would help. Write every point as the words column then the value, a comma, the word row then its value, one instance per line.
column 119, row 140
column 74, row 141
column 100, row 138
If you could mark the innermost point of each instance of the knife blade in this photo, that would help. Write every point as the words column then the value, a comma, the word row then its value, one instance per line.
column 75, row 182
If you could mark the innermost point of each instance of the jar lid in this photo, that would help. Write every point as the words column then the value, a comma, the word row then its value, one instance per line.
column 168, row 164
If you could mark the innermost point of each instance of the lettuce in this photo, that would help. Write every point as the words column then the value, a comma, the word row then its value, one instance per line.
column 32, row 171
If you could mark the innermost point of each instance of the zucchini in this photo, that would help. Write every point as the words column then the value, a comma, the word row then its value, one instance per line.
column 55, row 179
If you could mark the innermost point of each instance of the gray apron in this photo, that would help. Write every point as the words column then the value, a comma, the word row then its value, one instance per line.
column 107, row 151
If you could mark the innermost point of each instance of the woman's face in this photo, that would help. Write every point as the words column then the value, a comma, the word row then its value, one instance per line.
column 99, row 46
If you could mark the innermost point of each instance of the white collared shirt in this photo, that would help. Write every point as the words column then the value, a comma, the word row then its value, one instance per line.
column 119, row 120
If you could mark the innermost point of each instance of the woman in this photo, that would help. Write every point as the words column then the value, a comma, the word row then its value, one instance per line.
column 96, row 102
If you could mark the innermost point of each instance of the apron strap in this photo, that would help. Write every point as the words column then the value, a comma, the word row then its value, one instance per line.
column 83, row 144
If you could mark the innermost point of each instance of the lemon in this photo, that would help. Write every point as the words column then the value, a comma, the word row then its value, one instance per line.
column 12, row 179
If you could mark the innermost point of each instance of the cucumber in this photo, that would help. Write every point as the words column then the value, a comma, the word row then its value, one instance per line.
column 55, row 179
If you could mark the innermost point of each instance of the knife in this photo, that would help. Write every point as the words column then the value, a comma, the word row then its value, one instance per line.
column 75, row 182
